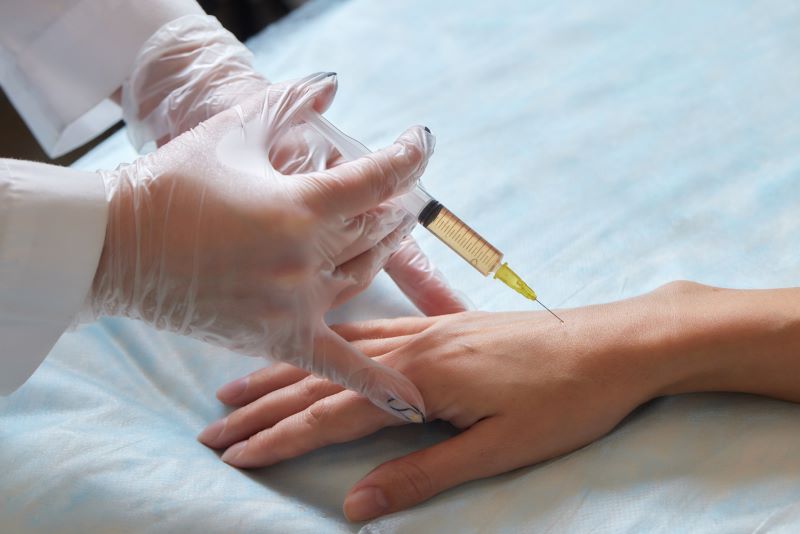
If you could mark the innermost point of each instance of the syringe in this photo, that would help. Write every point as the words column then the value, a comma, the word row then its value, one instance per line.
column 440, row 221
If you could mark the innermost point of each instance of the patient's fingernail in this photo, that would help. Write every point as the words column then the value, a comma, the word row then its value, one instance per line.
column 232, row 390
column 365, row 503
column 212, row 432
column 233, row 451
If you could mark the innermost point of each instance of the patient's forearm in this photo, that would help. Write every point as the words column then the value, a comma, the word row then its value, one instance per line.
column 733, row 340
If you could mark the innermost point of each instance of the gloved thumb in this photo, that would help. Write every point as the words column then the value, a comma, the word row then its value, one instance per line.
column 340, row 362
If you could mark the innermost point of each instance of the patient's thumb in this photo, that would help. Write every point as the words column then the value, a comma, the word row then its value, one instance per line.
column 416, row 477
column 340, row 362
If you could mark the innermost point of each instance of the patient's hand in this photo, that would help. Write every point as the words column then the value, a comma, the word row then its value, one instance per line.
column 522, row 386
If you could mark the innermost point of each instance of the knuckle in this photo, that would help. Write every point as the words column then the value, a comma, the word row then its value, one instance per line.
column 268, row 305
column 375, row 327
column 381, row 185
column 261, row 441
column 413, row 367
column 304, row 223
column 311, row 386
column 364, row 225
column 418, row 483
column 290, row 273
column 318, row 187
column 317, row 414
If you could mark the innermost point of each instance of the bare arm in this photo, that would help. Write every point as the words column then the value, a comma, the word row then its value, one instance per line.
column 744, row 341
column 523, row 387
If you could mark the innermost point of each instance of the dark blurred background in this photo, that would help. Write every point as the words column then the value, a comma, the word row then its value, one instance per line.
column 243, row 17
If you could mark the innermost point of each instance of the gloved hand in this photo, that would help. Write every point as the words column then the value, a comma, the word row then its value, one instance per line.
column 192, row 69
column 206, row 239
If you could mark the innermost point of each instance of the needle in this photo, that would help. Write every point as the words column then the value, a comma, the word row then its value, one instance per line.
column 551, row 311
column 512, row 280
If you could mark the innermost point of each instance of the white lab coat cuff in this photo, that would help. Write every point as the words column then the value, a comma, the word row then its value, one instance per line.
column 52, row 229
column 61, row 81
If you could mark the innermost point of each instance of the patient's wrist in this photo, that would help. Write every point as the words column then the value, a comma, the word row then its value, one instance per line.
column 733, row 340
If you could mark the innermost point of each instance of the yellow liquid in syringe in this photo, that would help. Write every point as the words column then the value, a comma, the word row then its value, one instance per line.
column 473, row 248
column 464, row 241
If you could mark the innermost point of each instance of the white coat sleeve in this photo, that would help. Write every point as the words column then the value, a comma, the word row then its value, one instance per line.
column 52, row 229
column 60, row 60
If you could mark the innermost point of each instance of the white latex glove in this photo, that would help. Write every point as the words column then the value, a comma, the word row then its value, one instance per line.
column 192, row 69
column 205, row 238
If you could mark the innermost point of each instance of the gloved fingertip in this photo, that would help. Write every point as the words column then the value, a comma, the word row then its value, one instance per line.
column 464, row 300
column 412, row 149
column 429, row 141
column 404, row 410
column 409, row 406
column 391, row 391
column 444, row 300
column 417, row 135
column 315, row 91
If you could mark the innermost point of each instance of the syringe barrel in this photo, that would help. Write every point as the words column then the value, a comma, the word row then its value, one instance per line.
column 462, row 239
column 440, row 221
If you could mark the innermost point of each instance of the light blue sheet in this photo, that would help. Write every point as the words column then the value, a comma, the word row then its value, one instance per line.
column 606, row 147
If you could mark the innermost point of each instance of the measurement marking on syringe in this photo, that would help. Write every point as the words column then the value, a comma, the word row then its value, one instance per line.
column 481, row 253
column 464, row 241
column 452, row 228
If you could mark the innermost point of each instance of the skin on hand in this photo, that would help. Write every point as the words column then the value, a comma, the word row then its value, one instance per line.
column 522, row 386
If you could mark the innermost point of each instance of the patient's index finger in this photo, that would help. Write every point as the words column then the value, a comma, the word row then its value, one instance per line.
column 340, row 418
column 383, row 328
column 269, row 410
column 258, row 383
